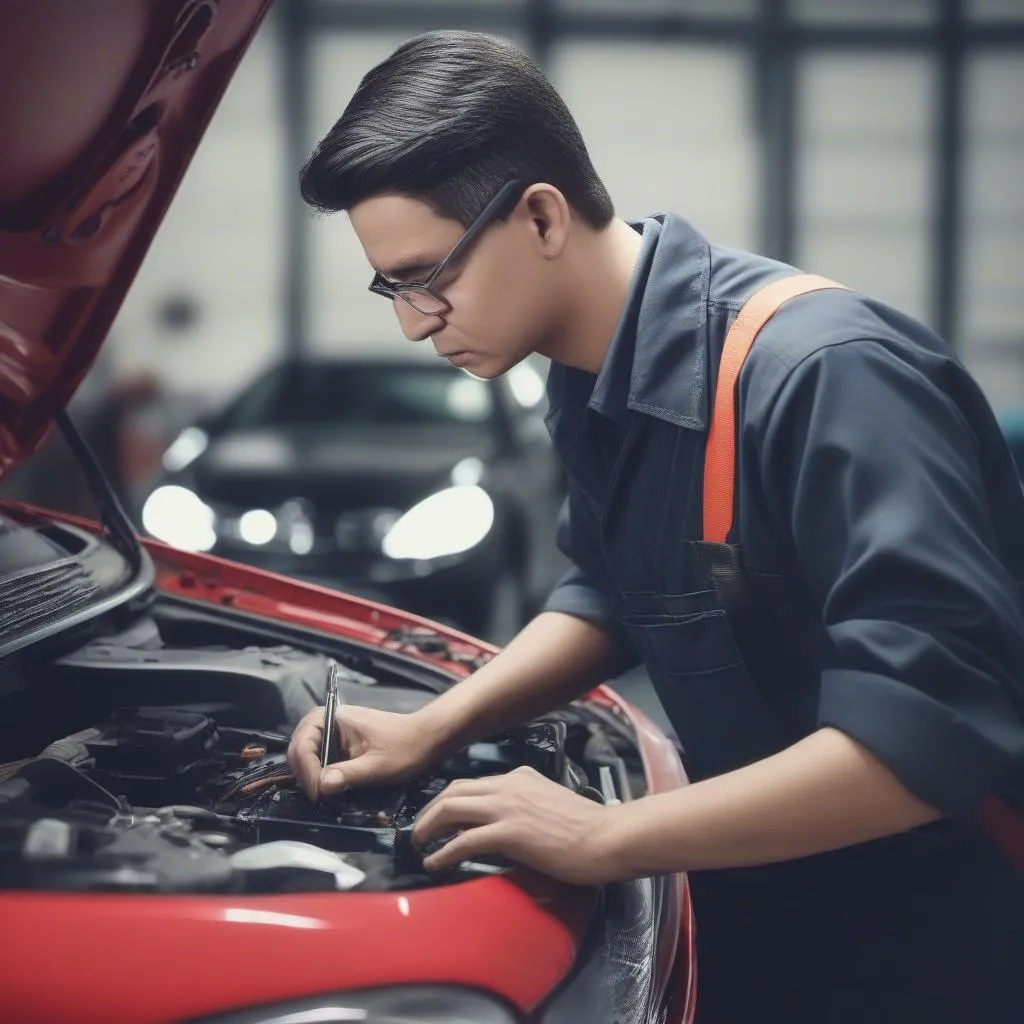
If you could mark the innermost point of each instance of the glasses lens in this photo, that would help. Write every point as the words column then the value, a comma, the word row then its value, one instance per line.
column 424, row 301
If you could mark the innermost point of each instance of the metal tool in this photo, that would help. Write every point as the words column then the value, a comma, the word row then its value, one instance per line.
column 611, row 797
column 330, row 708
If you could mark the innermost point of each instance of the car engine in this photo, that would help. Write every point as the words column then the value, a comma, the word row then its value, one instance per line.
column 195, row 795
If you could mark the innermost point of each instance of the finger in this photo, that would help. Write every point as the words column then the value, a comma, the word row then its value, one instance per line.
column 297, row 733
column 449, row 815
column 306, row 760
column 475, row 842
column 312, row 717
column 465, row 787
column 360, row 771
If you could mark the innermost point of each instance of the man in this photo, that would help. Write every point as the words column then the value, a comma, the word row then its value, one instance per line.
column 871, row 681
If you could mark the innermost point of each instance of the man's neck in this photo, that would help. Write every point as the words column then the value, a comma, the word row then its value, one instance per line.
column 598, row 285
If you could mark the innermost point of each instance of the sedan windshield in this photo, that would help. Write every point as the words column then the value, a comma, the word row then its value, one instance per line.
column 360, row 395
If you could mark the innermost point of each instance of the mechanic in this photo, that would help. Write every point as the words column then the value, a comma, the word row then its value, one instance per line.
column 842, row 726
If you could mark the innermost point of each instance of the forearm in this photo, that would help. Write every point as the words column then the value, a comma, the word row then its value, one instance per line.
column 825, row 792
column 553, row 660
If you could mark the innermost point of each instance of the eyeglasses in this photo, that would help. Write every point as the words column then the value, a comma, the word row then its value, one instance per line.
column 421, row 295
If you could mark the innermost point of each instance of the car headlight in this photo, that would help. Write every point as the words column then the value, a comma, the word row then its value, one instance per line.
column 447, row 523
column 185, row 449
column 180, row 518
column 419, row 1004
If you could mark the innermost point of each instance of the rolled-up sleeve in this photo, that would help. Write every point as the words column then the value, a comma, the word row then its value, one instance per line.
column 877, row 474
column 581, row 591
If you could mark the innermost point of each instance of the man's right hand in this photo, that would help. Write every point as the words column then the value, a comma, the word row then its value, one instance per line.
column 553, row 660
column 377, row 748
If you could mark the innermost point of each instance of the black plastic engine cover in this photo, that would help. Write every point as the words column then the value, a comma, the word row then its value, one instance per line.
column 151, row 741
column 153, row 755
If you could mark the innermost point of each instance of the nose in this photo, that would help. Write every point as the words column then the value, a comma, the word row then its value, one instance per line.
column 416, row 326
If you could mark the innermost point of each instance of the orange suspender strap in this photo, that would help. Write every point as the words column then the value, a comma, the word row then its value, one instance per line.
column 999, row 821
column 720, row 453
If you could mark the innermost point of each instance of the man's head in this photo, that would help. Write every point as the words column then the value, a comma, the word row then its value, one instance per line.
column 451, row 126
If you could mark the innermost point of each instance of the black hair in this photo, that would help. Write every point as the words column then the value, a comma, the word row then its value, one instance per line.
column 448, row 118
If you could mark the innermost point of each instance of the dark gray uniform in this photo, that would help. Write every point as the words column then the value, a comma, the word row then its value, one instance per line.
column 881, row 525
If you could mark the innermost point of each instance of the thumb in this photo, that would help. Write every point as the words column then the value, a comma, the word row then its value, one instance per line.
column 339, row 777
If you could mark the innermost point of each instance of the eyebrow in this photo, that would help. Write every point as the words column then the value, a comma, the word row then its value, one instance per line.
column 409, row 267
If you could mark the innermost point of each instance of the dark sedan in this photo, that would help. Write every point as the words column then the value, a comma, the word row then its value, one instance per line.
column 403, row 480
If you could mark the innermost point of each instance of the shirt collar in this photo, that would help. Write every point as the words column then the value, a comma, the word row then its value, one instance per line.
column 657, row 361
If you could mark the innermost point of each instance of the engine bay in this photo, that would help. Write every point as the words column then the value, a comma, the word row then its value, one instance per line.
column 187, row 789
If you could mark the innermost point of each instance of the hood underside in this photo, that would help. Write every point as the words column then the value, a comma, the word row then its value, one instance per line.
column 104, row 104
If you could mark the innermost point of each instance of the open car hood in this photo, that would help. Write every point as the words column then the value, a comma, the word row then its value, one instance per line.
column 104, row 104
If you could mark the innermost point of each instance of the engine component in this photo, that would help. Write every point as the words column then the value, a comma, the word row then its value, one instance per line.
column 153, row 755
column 264, row 863
column 81, row 852
column 137, row 801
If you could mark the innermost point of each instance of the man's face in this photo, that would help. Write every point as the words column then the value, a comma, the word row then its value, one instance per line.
column 500, row 290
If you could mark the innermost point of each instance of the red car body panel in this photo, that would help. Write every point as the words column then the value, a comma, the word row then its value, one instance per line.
column 105, row 102
column 147, row 959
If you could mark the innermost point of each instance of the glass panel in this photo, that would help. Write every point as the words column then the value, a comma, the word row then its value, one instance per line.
column 865, row 12
column 864, row 170
column 992, row 295
column 426, row 5
column 695, row 8
column 995, row 10
column 655, row 148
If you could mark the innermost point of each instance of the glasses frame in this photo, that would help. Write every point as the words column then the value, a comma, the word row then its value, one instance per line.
column 498, row 207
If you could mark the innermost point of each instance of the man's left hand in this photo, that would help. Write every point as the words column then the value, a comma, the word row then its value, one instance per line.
column 524, row 817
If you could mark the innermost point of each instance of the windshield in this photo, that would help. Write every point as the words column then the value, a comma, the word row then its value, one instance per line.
column 354, row 395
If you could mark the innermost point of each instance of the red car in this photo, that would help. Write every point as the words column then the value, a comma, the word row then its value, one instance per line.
column 157, row 862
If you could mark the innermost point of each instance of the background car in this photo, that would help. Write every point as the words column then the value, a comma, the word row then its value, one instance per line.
column 405, row 480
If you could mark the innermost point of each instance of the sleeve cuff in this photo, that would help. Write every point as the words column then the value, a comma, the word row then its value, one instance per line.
column 573, row 595
column 934, row 751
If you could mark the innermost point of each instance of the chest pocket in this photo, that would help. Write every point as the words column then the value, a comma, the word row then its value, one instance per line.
column 701, row 680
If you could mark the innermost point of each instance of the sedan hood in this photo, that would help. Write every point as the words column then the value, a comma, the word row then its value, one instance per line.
column 105, row 103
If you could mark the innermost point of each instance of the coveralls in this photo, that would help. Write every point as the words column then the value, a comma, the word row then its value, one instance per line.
column 880, row 525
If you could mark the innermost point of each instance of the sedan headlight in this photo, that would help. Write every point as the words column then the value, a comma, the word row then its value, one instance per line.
column 419, row 1004
column 180, row 518
column 186, row 448
column 447, row 523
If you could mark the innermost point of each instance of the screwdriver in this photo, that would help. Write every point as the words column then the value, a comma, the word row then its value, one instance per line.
column 330, row 708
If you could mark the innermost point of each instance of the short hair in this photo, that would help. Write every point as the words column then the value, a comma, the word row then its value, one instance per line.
column 448, row 118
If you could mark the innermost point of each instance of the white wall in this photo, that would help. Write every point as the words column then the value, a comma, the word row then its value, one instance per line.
column 668, row 128
column 864, row 173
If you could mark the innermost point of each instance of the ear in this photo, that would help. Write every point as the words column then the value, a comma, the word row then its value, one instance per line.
column 549, row 216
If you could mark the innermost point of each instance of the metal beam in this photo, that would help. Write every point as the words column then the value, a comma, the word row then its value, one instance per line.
column 414, row 16
column 540, row 29
column 295, row 31
column 775, row 102
column 945, row 270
